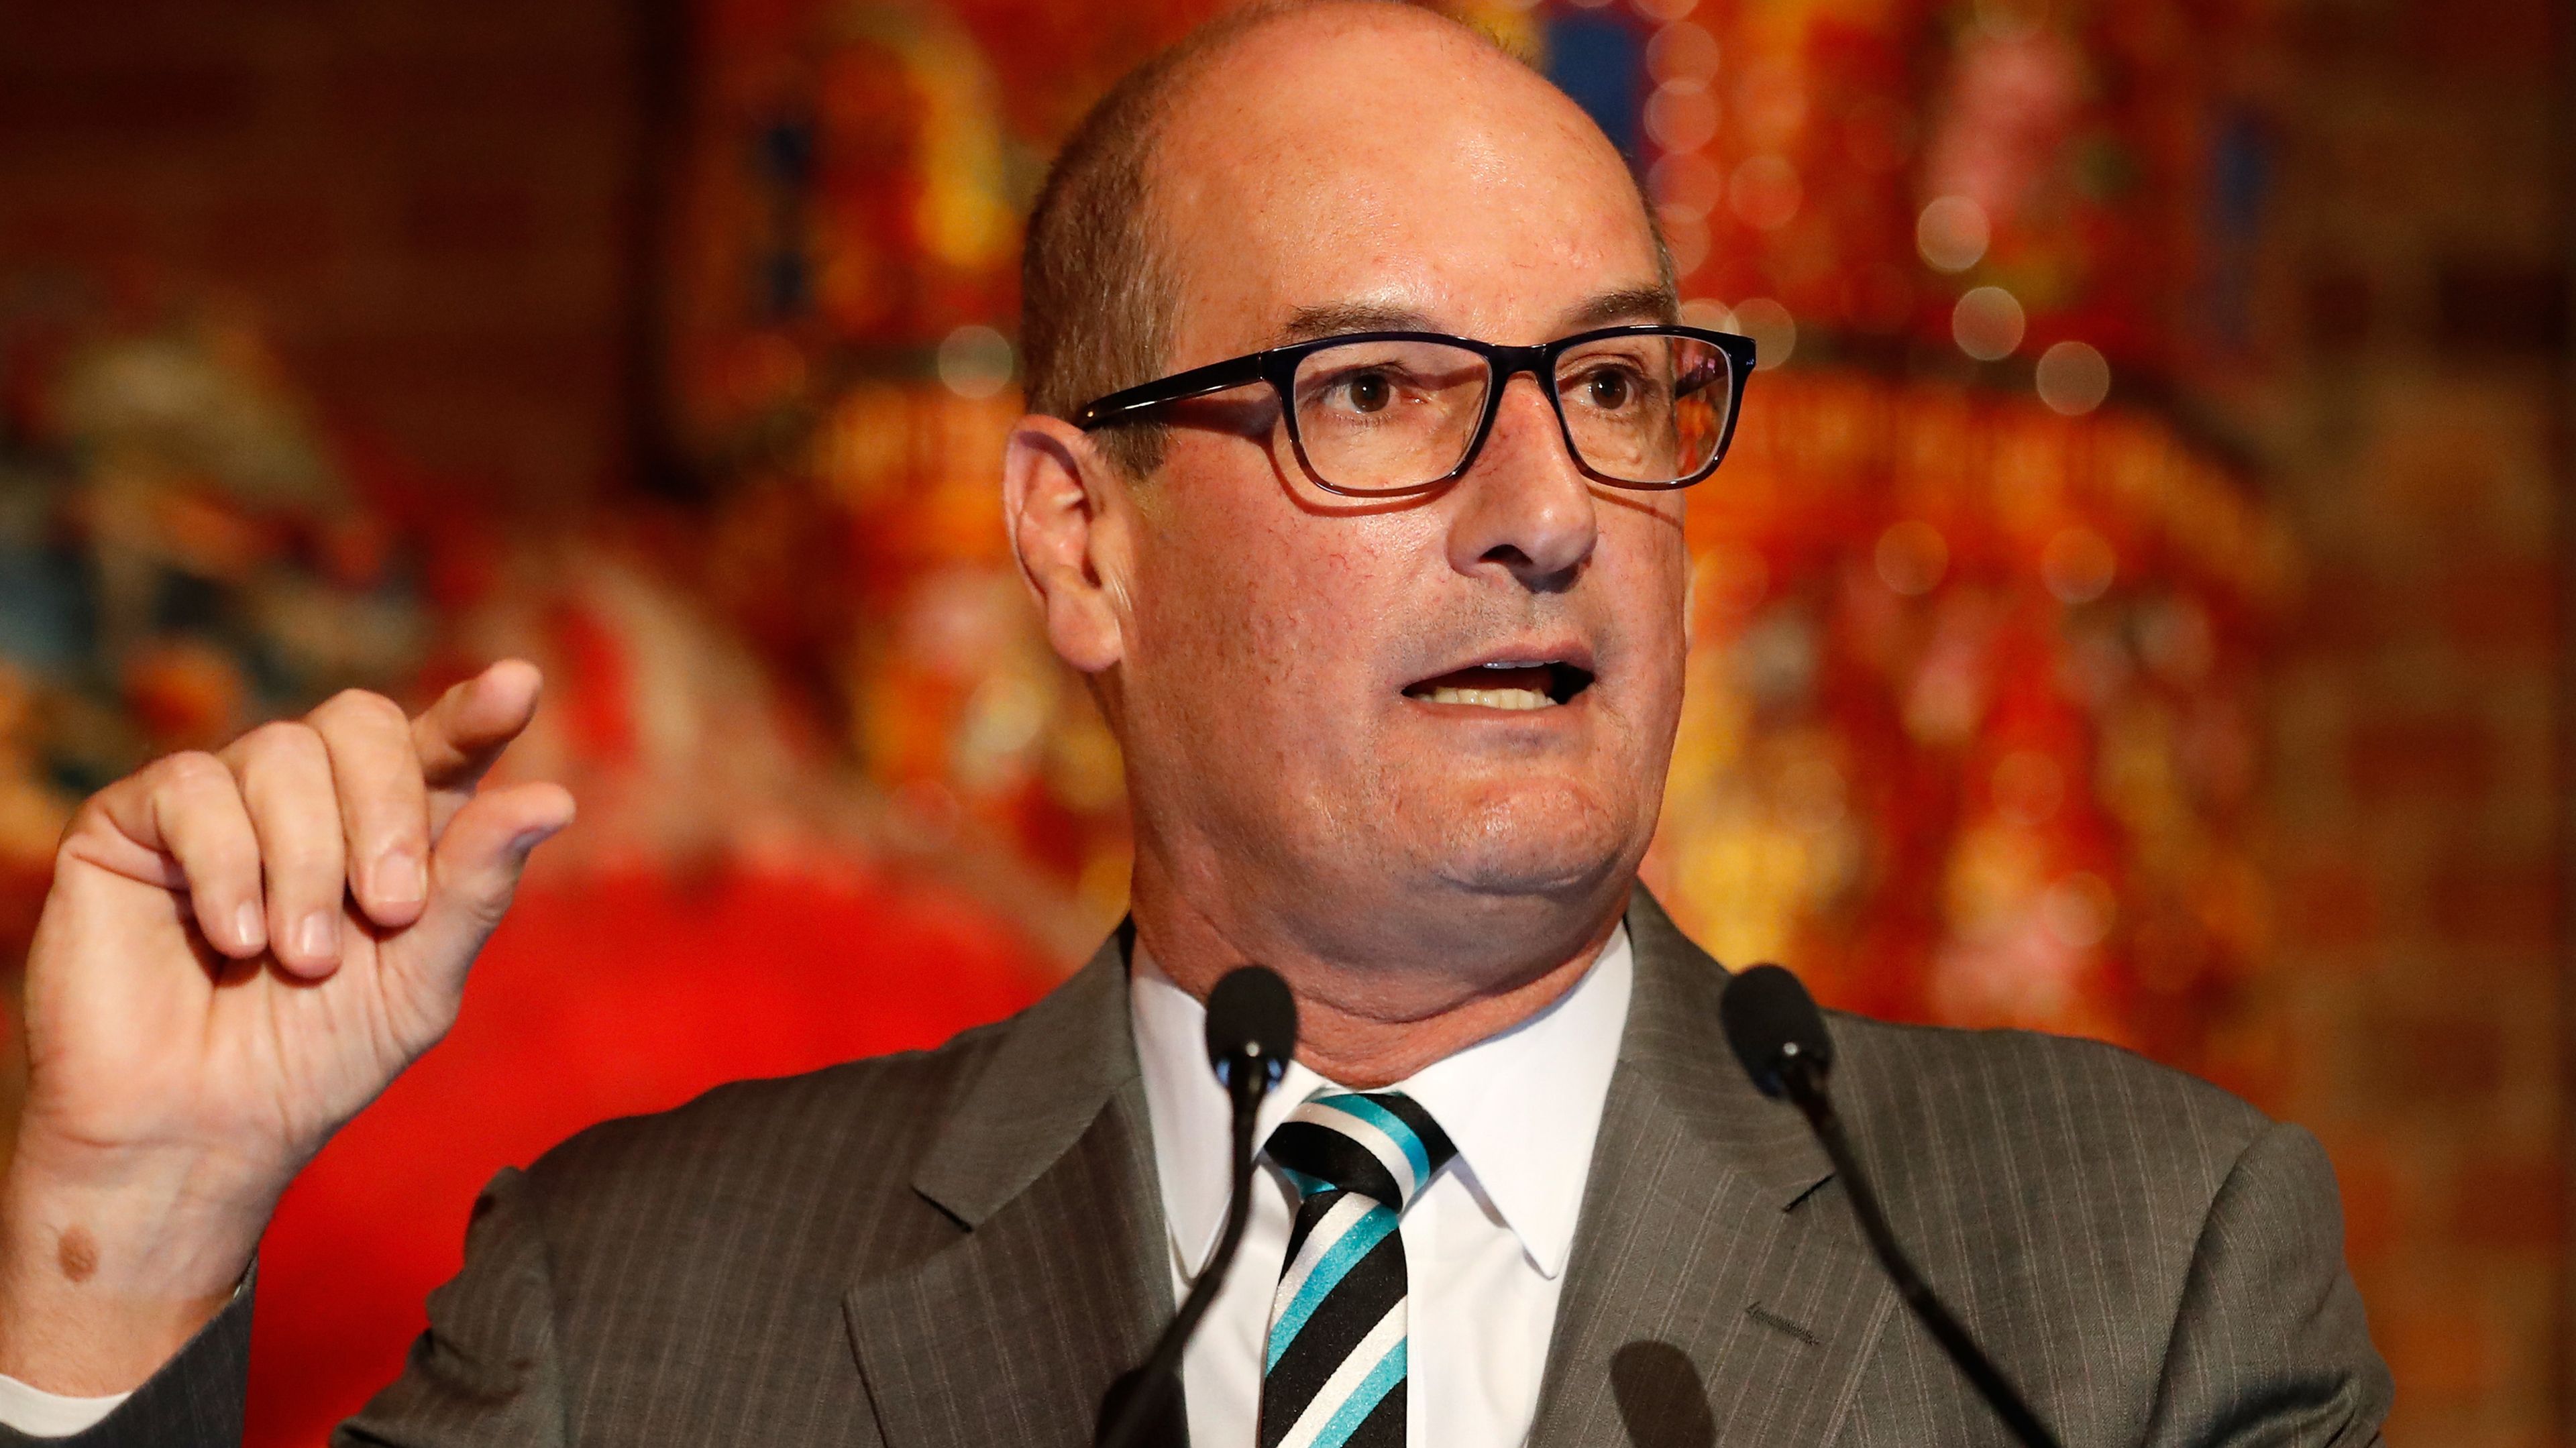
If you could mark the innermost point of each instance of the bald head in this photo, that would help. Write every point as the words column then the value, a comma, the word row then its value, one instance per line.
column 1261, row 119
column 1321, row 772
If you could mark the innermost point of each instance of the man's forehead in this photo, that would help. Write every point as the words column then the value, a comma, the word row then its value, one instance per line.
column 1609, row 307
column 1539, row 273
column 1394, row 178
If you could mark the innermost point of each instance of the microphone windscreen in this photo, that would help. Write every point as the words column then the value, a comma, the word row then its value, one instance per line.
column 1765, row 1011
column 1251, row 1013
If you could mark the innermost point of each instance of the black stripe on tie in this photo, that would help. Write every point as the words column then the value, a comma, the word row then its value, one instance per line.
column 1309, row 1212
column 1435, row 1142
column 1374, row 1284
column 1320, row 1151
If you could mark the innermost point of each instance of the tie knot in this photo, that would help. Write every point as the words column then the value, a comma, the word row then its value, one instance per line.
column 1379, row 1144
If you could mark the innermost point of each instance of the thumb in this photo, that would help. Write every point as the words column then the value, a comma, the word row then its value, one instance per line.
column 473, row 873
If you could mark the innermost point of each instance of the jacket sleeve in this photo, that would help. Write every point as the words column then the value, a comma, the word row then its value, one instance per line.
column 194, row 1401
column 2269, row 1346
column 485, row 1373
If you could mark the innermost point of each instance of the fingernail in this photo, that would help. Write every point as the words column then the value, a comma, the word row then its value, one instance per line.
column 401, row 879
column 317, row 936
column 526, row 841
column 246, row 924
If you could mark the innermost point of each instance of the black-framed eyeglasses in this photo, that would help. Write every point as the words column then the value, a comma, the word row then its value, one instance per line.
column 1376, row 414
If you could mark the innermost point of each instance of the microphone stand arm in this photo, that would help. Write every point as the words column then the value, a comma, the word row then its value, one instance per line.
column 1149, row 1388
column 1803, row 1080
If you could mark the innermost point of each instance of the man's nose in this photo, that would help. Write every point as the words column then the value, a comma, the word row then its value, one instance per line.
column 1524, row 506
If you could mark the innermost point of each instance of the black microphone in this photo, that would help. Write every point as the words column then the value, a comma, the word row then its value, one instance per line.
column 1251, row 1038
column 1779, row 1035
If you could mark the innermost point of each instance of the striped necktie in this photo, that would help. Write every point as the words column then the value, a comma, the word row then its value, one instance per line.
column 1335, row 1370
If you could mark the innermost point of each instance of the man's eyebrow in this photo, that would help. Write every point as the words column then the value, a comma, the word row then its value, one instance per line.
column 1332, row 319
column 1629, row 304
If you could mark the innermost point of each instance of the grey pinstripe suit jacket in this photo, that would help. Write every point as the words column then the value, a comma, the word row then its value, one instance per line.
column 963, row 1247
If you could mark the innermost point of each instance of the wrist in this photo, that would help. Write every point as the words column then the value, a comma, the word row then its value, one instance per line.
column 109, row 1264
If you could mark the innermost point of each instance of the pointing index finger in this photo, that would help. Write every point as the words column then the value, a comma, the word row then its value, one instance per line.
column 461, row 735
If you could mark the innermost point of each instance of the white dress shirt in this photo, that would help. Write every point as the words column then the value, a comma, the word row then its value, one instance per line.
column 40, row 1414
column 1485, row 1245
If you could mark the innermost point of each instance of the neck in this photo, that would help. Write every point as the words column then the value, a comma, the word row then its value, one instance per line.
column 1366, row 1022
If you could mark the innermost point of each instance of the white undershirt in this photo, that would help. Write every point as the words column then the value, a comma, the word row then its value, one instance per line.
column 1485, row 1244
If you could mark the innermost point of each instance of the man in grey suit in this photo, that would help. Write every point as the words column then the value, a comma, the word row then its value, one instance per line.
column 1353, row 480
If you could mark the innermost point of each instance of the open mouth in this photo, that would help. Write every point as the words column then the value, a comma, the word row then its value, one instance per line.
column 1506, row 684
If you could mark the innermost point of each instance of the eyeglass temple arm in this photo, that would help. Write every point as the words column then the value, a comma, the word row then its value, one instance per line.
column 1196, row 382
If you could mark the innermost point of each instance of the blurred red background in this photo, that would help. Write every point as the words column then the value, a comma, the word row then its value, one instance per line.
column 2132, row 607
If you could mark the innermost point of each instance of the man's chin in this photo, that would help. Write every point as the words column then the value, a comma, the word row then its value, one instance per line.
column 1540, row 850
column 1535, row 876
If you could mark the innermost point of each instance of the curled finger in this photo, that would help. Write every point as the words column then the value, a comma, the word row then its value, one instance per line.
column 285, row 774
column 181, row 818
column 383, row 800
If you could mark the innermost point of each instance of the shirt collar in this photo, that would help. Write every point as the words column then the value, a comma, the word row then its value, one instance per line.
column 1522, row 1106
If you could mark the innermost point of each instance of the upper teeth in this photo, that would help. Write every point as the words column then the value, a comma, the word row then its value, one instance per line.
column 1492, row 698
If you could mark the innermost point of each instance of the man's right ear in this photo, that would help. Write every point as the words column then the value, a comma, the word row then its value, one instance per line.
column 1068, row 528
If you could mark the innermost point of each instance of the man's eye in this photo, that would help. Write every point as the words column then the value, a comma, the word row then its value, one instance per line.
column 1368, row 392
column 1609, row 389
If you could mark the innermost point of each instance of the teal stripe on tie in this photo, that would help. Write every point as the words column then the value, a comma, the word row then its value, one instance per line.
column 1306, row 1185
column 1364, row 1399
column 1393, row 1125
column 1336, row 1263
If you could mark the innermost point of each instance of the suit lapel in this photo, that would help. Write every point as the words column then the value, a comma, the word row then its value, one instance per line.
column 1010, row 1332
column 1719, row 1293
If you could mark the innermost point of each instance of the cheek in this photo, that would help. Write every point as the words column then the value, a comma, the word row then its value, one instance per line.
column 1653, row 594
column 1252, row 625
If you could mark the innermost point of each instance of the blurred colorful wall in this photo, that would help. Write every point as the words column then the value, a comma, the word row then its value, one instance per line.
column 2132, row 607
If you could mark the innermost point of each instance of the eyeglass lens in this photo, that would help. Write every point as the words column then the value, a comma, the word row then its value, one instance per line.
column 1645, row 409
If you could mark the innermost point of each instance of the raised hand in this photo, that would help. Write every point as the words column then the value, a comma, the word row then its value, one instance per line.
column 240, row 950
